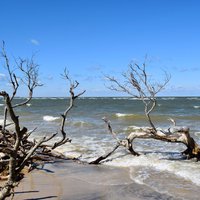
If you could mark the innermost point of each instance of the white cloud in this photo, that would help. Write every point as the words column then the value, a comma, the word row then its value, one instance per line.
column 35, row 42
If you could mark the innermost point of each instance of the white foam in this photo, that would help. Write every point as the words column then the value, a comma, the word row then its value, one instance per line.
column 138, row 177
column 123, row 115
column 196, row 107
column 81, row 123
column 50, row 118
column 193, row 98
column 168, row 98
column 121, row 98
column 1, row 104
column 7, row 122
column 197, row 134
column 185, row 169
column 1, row 121
column 135, row 128
column 28, row 104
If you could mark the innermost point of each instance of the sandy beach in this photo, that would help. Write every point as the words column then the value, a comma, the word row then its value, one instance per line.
column 72, row 181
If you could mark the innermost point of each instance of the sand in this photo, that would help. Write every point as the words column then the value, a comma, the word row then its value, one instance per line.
column 71, row 181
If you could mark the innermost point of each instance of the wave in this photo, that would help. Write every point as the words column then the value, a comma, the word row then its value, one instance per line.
column 7, row 122
column 196, row 107
column 81, row 124
column 124, row 115
column 28, row 104
column 49, row 118
column 193, row 98
column 160, row 118
column 122, row 98
column 1, row 121
column 1, row 104
column 135, row 128
column 186, row 170
column 197, row 134
column 168, row 98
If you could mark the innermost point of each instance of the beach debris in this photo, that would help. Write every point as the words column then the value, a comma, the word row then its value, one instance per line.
column 138, row 83
column 17, row 150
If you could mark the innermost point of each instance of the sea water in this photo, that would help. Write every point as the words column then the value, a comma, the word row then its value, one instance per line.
column 161, row 165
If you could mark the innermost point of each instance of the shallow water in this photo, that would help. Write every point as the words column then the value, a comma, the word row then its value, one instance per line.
column 161, row 166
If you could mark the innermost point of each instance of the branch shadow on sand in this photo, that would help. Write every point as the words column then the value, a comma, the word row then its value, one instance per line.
column 41, row 198
column 34, row 191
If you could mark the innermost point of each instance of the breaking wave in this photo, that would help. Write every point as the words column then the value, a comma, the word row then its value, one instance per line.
column 49, row 118
column 124, row 115
column 168, row 98
column 184, row 169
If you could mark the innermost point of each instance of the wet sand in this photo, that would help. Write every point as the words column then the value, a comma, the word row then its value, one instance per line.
column 72, row 181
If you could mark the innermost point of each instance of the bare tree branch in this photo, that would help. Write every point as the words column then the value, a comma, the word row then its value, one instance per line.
column 73, row 97
column 137, row 84
column 15, row 145
column 11, row 76
column 124, row 143
column 30, row 79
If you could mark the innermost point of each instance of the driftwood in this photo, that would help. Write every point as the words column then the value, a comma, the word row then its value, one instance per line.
column 174, row 134
column 17, row 151
column 138, row 84
column 124, row 143
column 73, row 97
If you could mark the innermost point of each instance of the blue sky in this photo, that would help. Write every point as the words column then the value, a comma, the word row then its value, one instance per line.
column 96, row 37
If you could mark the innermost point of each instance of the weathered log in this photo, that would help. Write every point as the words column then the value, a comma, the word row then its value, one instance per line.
column 173, row 135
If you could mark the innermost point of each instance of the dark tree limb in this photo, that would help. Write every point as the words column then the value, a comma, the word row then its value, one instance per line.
column 124, row 143
column 103, row 157
column 73, row 97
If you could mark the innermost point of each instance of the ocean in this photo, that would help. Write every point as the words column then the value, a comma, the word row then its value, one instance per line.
column 160, row 167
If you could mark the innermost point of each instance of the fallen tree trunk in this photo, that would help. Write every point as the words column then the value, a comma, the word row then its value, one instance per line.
column 174, row 134
column 138, row 83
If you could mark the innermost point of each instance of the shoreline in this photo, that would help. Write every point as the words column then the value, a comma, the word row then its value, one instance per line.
column 73, row 181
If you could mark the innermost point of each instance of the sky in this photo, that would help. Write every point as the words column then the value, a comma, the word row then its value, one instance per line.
column 92, row 38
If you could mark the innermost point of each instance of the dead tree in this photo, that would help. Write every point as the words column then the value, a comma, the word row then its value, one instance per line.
column 13, row 143
column 72, row 98
column 17, row 150
column 139, row 85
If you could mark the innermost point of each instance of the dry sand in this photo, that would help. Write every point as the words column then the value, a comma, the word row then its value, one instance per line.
column 72, row 181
